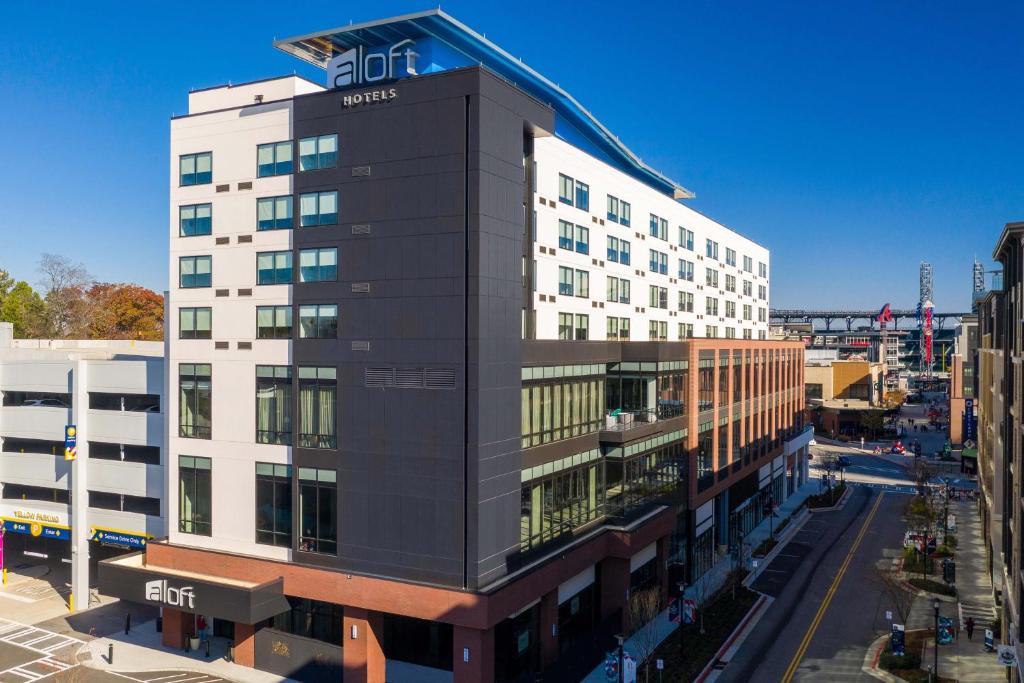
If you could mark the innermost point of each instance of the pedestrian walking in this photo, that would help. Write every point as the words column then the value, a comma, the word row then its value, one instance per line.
column 970, row 627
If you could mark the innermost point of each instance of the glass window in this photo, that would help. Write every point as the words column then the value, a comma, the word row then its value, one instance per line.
column 318, row 265
column 194, row 271
column 318, row 510
column 711, row 249
column 274, row 159
column 318, row 389
column 582, row 327
column 318, row 152
column 274, row 504
column 710, row 305
column 274, row 268
column 624, row 213
column 685, row 270
column 730, row 283
column 318, row 321
column 194, row 323
column 273, row 322
column 582, row 196
column 274, row 213
column 613, row 249
column 566, row 187
column 195, row 494
column 194, row 400
column 686, row 302
column 582, row 240
column 195, row 169
column 583, row 284
column 274, row 404
column 730, row 257
column 564, row 281
column 318, row 208
column 559, row 503
column 565, row 326
column 711, row 277
column 613, row 209
column 748, row 264
column 624, row 252
column 195, row 219
column 565, row 230
column 685, row 238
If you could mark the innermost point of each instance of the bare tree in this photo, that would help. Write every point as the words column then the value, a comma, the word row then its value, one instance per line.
column 894, row 594
column 643, row 608
column 65, row 284
column 702, row 592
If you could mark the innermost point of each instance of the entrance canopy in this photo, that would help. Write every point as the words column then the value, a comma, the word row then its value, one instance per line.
column 129, row 578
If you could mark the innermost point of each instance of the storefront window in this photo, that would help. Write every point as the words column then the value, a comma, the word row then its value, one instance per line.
column 311, row 619
column 576, row 619
column 560, row 409
column 516, row 645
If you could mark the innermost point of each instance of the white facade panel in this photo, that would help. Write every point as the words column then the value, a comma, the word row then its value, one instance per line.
column 129, row 478
column 34, row 422
column 35, row 469
column 127, row 427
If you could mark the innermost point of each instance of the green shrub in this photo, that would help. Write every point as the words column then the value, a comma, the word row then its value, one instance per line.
column 890, row 662
column 943, row 551
column 932, row 586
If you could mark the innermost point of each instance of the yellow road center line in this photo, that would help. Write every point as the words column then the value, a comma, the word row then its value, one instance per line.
column 800, row 651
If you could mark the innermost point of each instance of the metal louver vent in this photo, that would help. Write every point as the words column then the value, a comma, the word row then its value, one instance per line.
column 360, row 287
column 409, row 378
column 379, row 377
column 360, row 346
column 440, row 378
column 361, row 229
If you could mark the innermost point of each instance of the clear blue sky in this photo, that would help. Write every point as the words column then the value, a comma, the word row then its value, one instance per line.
column 852, row 139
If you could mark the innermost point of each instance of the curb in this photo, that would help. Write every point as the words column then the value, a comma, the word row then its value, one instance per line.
column 791, row 530
column 870, row 664
column 735, row 639
column 89, row 662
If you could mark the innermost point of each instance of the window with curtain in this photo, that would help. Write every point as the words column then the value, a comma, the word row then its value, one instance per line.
column 274, row 268
column 582, row 327
column 318, row 152
column 194, row 323
column 274, row 404
column 274, row 504
column 564, row 281
column 194, row 495
column 318, row 321
column 582, row 284
column 565, row 229
column 274, row 213
column 195, row 169
column 318, row 265
column 195, row 271
column 195, row 219
column 194, row 418
column 318, row 510
column 318, row 399
column 582, row 240
column 274, row 158
column 273, row 322
column 318, row 208
column 565, row 326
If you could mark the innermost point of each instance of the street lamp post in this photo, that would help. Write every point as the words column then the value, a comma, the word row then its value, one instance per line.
column 935, row 604
column 622, row 638
column 682, row 621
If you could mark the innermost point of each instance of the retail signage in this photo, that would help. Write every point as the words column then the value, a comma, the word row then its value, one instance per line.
column 990, row 639
column 125, row 539
column 1006, row 655
column 70, row 442
column 37, row 530
column 898, row 639
column 359, row 66
column 970, row 426
column 159, row 590
column 689, row 610
column 945, row 630
column 371, row 97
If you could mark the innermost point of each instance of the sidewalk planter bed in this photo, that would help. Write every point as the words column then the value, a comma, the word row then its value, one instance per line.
column 826, row 499
column 908, row 667
column 932, row 586
column 766, row 547
column 721, row 617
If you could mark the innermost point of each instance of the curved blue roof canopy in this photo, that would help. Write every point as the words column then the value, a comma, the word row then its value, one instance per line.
column 458, row 45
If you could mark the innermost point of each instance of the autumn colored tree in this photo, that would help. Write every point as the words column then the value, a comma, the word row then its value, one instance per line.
column 125, row 311
column 66, row 314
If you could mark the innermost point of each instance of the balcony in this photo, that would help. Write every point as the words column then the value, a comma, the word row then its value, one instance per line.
column 624, row 425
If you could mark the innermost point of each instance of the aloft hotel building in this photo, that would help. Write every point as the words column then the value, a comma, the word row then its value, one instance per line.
column 454, row 374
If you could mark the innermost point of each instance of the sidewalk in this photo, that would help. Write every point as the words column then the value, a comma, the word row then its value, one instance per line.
column 141, row 650
column 716, row 576
column 965, row 660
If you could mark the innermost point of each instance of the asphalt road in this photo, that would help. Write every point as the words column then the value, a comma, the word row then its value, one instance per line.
column 804, row 576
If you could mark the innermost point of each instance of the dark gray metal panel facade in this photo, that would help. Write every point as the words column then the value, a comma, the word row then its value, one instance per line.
column 443, row 200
